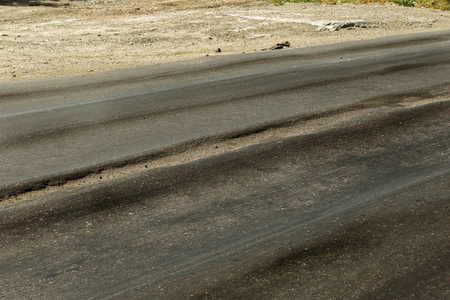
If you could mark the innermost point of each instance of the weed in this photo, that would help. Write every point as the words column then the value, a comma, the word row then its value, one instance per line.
column 407, row 3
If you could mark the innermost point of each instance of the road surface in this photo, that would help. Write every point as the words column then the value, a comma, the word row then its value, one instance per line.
column 336, row 186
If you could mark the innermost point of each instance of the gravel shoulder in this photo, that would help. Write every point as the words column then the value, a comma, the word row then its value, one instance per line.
column 78, row 37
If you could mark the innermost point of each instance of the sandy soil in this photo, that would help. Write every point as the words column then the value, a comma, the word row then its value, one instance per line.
column 76, row 37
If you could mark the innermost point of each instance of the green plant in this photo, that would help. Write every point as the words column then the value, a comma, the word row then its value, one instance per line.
column 407, row 3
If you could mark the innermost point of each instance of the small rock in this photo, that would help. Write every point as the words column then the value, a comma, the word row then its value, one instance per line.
column 336, row 25
column 279, row 46
column 218, row 50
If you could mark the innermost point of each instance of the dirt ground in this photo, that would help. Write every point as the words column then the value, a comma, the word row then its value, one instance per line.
column 75, row 37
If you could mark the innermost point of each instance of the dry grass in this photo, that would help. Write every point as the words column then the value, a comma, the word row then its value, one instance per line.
column 434, row 4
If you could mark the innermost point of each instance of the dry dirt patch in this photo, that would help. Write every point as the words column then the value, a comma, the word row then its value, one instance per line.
column 78, row 37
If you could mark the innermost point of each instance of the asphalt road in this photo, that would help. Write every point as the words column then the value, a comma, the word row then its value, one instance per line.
column 52, row 130
column 354, row 208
